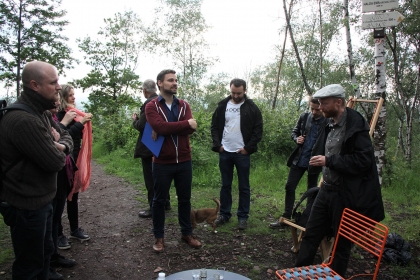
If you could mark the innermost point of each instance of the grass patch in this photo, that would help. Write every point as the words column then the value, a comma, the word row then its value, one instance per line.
column 6, row 252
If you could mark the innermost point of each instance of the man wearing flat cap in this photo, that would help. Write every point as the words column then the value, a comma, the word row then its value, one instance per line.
column 350, row 176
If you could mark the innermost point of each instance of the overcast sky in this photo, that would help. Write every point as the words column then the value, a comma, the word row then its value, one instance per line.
column 242, row 35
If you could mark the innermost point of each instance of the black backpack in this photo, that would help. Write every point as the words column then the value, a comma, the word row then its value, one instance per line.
column 3, row 110
column 301, row 218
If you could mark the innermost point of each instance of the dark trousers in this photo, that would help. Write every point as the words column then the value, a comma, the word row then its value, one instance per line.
column 295, row 174
column 148, row 180
column 326, row 212
column 163, row 174
column 58, row 204
column 72, row 214
column 32, row 242
column 227, row 161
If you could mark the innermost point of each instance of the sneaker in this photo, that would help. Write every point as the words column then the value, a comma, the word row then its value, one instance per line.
column 63, row 243
column 61, row 261
column 220, row 220
column 242, row 224
column 159, row 245
column 54, row 275
column 79, row 234
column 145, row 214
column 191, row 241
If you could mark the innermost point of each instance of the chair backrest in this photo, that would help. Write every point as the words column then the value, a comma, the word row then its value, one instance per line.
column 363, row 231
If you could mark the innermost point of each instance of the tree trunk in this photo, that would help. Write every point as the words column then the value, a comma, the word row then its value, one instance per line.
column 400, row 144
column 379, row 139
column 410, row 119
column 276, row 91
column 19, row 49
column 302, row 70
column 320, row 43
column 350, row 50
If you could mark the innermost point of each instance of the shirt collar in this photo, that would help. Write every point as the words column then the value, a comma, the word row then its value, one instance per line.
column 175, row 101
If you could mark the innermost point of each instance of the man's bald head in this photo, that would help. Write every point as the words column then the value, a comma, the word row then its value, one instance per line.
column 42, row 78
column 35, row 70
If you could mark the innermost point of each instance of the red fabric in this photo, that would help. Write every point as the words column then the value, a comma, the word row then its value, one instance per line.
column 82, row 176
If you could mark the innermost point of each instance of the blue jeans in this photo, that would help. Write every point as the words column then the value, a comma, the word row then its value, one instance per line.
column 163, row 174
column 326, row 213
column 227, row 161
column 32, row 242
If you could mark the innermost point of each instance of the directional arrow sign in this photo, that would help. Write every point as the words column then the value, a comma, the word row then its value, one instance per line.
column 380, row 20
column 378, row 5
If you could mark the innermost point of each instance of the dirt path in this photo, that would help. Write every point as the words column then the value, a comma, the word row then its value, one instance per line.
column 121, row 242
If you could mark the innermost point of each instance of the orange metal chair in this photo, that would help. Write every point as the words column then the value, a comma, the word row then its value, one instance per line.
column 364, row 232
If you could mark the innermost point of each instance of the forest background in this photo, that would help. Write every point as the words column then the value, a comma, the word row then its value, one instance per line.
column 305, row 60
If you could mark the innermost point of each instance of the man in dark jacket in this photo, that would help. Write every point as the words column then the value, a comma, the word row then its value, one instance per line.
column 172, row 118
column 350, row 176
column 32, row 157
column 141, row 151
column 304, row 134
column 236, row 129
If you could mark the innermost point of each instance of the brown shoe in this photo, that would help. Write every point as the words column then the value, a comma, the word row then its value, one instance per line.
column 158, row 246
column 191, row 241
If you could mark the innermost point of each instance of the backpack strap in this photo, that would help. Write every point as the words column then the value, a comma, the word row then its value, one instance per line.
column 18, row 106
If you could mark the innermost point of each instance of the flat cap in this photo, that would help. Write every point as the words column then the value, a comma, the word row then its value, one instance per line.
column 334, row 90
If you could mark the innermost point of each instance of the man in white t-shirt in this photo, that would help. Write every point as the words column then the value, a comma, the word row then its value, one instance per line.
column 236, row 129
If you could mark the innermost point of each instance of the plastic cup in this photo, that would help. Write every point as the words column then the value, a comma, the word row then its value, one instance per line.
column 196, row 275
column 221, row 271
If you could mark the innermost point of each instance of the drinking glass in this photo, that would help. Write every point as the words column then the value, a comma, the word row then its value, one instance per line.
column 221, row 271
column 203, row 273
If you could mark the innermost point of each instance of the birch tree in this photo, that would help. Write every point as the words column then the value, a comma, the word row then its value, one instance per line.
column 404, row 44
column 182, row 39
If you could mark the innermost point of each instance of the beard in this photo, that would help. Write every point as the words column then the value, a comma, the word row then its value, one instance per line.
column 170, row 91
column 329, row 114
column 238, row 100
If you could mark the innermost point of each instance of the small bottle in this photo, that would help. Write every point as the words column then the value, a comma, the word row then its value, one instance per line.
column 161, row 276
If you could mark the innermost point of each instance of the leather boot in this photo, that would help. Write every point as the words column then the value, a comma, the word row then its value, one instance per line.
column 191, row 241
column 158, row 246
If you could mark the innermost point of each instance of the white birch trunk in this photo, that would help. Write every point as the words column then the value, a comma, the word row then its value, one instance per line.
column 379, row 138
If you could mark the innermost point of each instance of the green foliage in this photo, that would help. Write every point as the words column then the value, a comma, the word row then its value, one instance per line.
column 277, row 128
column 115, row 131
column 113, row 58
column 181, row 35
column 31, row 30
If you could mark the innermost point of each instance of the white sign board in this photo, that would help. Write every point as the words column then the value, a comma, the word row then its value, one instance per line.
column 389, row 19
column 378, row 5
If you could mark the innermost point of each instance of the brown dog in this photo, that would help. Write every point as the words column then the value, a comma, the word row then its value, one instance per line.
column 207, row 214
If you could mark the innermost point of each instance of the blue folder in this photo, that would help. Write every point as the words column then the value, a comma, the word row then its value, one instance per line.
column 146, row 139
